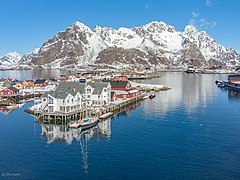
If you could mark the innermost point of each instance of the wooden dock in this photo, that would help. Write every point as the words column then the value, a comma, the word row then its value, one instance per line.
column 64, row 118
column 226, row 84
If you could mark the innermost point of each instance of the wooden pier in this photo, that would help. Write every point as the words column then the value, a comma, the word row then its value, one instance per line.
column 226, row 84
column 64, row 118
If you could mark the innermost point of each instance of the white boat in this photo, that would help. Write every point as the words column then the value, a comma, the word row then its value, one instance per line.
column 106, row 115
column 145, row 97
column 88, row 123
column 20, row 105
column 83, row 123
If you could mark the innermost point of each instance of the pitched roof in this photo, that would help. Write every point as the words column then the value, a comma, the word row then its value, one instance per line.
column 118, row 84
column 65, row 88
column 98, row 86
column 40, row 81
column 13, row 89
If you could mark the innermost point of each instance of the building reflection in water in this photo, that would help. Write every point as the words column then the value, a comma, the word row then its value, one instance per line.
column 53, row 132
column 233, row 95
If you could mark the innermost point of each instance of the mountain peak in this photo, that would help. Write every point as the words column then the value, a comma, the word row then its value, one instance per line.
column 80, row 25
column 14, row 55
column 155, row 43
column 190, row 28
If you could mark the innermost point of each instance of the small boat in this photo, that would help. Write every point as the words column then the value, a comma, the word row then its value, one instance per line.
column 190, row 70
column 106, row 115
column 152, row 96
column 145, row 97
column 83, row 123
column 88, row 123
column 20, row 105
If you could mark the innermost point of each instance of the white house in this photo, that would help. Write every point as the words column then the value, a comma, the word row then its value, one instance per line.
column 98, row 93
column 67, row 97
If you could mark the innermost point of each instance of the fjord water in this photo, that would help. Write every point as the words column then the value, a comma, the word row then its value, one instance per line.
column 189, row 132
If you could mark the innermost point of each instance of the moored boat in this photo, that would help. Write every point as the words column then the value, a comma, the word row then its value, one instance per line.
column 83, row 123
column 106, row 115
column 152, row 96
column 88, row 123
column 190, row 70
column 145, row 97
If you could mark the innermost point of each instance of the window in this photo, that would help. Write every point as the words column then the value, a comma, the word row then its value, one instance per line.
column 50, row 108
column 88, row 96
column 50, row 100
column 105, row 90
column 89, row 91
column 67, row 108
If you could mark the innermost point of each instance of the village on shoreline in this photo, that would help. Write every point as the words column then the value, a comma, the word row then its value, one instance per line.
column 77, row 96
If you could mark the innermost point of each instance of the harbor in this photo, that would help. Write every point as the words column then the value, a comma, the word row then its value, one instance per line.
column 77, row 98
column 174, row 123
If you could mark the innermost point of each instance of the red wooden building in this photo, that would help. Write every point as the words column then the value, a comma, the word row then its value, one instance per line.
column 41, row 83
column 127, row 94
column 120, row 78
column 11, row 91
column 121, row 85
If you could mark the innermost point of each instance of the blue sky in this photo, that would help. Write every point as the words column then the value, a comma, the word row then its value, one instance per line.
column 27, row 24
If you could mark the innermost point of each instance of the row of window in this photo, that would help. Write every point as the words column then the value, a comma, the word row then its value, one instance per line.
column 68, row 108
column 5, row 93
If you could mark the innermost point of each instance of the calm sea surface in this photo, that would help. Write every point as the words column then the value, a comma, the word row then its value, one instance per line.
column 189, row 132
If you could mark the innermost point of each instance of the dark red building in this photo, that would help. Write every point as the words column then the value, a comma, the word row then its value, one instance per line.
column 121, row 85
column 120, row 78
column 40, row 83
column 11, row 91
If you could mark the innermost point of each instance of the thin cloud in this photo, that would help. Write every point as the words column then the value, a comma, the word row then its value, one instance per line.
column 195, row 14
column 204, row 24
column 147, row 6
column 201, row 23
column 208, row 3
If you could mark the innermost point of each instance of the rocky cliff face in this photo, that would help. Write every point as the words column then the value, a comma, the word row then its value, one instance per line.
column 153, row 44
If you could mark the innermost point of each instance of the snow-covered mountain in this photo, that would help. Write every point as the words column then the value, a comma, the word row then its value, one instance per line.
column 153, row 44
column 10, row 60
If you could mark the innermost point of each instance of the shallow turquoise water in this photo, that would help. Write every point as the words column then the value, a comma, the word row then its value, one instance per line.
column 189, row 132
